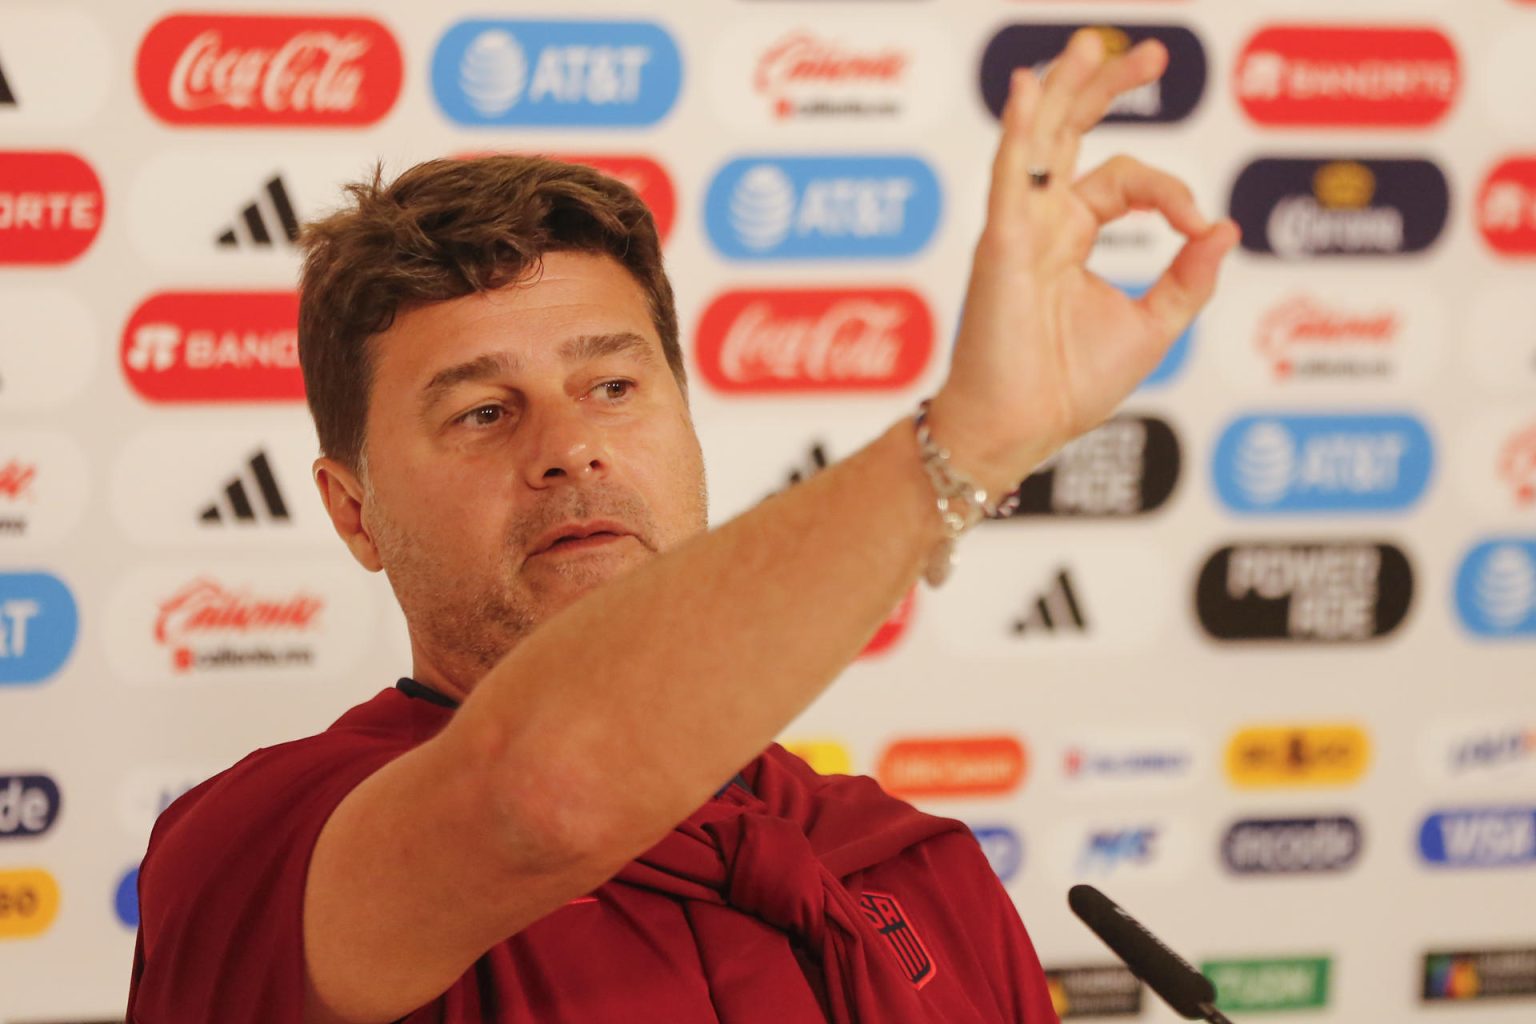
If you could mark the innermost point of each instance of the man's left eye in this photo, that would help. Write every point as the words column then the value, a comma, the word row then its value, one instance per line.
column 616, row 389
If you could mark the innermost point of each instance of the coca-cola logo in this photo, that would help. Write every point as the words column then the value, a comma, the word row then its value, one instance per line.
column 1506, row 207
column 257, row 69
column 1301, row 329
column 51, row 206
column 1357, row 76
column 206, row 607
column 214, row 346
column 869, row 339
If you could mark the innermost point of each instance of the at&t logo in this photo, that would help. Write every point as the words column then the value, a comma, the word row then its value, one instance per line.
column 1285, row 464
column 822, row 207
column 552, row 73
column 1496, row 588
column 38, row 624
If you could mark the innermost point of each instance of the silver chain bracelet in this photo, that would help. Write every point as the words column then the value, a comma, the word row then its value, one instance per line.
column 961, row 503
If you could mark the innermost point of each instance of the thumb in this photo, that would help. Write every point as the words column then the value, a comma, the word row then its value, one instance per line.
column 1176, row 296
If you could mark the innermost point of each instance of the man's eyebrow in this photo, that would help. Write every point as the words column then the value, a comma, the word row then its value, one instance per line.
column 595, row 346
column 492, row 364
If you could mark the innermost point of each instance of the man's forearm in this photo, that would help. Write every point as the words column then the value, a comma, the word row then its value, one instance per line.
column 614, row 720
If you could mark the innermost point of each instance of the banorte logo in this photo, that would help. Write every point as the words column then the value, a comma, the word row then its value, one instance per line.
column 206, row 625
column 1274, row 756
column 214, row 347
column 1358, row 76
column 965, row 766
column 249, row 70
column 51, row 205
column 814, row 340
column 1506, row 207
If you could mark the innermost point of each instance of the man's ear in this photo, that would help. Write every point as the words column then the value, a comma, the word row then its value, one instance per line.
column 342, row 495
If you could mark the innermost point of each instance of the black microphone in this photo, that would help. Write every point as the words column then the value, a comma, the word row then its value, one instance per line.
column 1173, row 978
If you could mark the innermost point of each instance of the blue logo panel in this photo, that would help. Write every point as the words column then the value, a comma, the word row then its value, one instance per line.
column 38, row 626
column 1282, row 464
column 814, row 207
column 556, row 73
column 1177, row 354
column 1496, row 588
column 126, row 900
column 1485, row 837
column 1003, row 847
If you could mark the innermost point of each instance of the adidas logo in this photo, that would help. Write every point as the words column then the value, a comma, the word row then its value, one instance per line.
column 815, row 462
column 237, row 499
column 7, row 98
column 268, row 214
column 1056, row 609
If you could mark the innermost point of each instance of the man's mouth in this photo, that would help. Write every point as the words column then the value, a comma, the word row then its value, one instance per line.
column 576, row 537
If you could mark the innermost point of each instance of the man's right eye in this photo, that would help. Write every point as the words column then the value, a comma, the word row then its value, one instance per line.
column 483, row 416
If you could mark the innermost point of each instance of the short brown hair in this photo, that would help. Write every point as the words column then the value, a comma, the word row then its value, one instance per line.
column 444, row 229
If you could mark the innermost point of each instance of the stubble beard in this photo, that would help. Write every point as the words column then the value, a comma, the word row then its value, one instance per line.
column 469, row 616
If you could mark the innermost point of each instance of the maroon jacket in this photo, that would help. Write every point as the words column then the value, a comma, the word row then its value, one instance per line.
column 790, row 897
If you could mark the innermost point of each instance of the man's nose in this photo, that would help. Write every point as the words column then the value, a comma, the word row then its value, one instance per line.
column 566, row 447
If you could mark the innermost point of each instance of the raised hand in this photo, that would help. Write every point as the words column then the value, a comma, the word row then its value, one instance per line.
column 1048, row 349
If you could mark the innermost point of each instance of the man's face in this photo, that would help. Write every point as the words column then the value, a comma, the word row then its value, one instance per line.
column 523, row 446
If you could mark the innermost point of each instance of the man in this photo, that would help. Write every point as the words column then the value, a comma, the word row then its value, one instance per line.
column 533, row 827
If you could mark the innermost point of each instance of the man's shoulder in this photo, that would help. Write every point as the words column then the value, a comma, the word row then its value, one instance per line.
column 384, row 726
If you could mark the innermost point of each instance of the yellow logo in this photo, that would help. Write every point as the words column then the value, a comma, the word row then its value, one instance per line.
column 29, row 901
column 1297, row 755
column 828, row 757
column 1344, row 185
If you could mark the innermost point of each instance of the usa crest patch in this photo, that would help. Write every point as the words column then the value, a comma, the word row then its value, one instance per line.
column 884, row 913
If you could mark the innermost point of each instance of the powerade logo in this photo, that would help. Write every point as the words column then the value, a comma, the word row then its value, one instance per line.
column 29, row 805
column 822, row 207
column 1291, row 846
column 1487, row 837
column 38, row 625
column 1003, row 847
column 556, row 73
column 1496, row 588
column 1298, row 464
column 1330, row 592
column 1127, row 466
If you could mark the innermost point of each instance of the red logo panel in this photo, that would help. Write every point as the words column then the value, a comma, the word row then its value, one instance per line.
column 51, row 206
column 1325, row 75
column 214, row 346
column 255, row 69
column 814, row 340
column 1506, row 207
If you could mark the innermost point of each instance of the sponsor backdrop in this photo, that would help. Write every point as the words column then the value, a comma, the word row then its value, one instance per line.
column 1258, row 656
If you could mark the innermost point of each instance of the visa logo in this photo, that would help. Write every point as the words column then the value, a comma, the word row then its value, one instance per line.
column 831, row 207
column 1491, row 837
column 38, row 625
column 1496, row 588
column 1289, row 464
column 556, row 73
column 1105, row 850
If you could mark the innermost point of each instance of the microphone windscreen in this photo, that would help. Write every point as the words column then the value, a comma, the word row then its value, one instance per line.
column 1170, row 975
